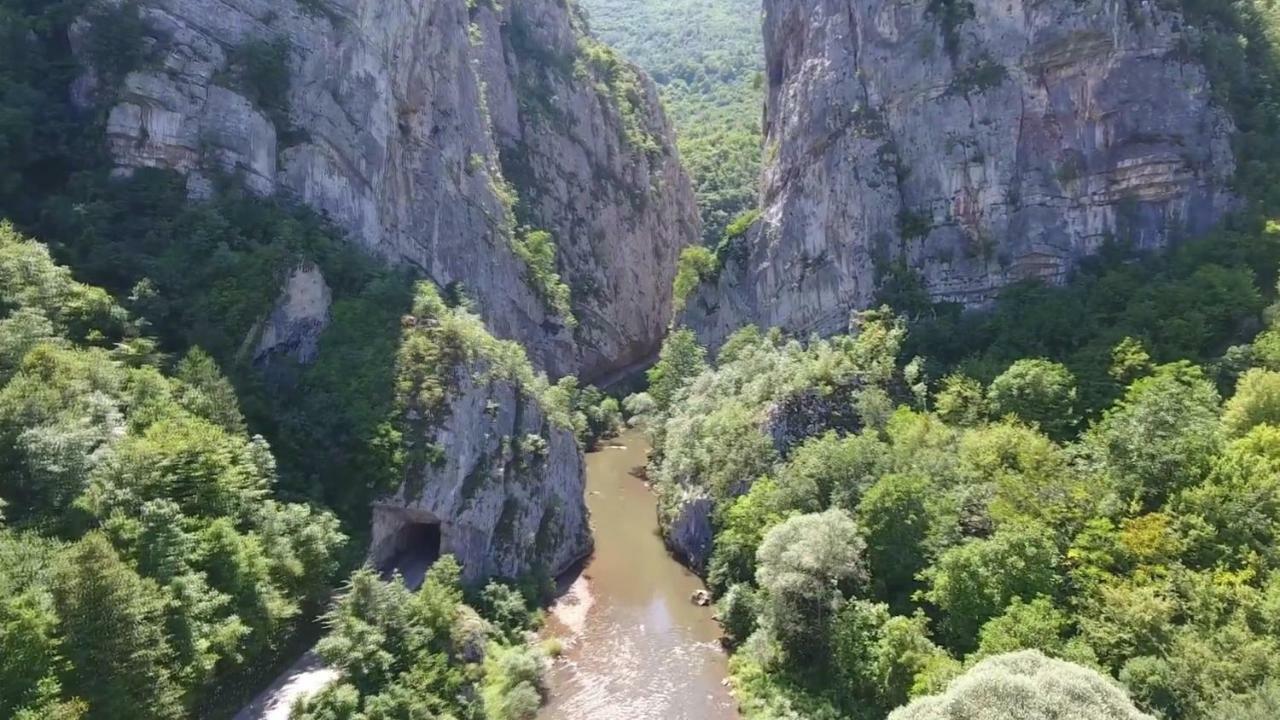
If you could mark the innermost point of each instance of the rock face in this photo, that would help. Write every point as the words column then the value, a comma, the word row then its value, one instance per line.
column 973, row 142
column 300, row 316
column 431, row 130
column 507, row 496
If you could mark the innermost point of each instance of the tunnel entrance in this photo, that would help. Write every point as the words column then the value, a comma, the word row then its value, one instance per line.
column 405, row 542
column 416, row 546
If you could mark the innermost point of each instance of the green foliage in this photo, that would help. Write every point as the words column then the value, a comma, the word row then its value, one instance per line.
column 738, row 611
column 806, row 567
column 878, row 657
column 975, row 581
column 896, row 515
column 1143, row 545
column 537, row 249
column 1192, row 303
column 426, row 653
column 1256, row 402
column 1025, row 684
column 180, row 569
column 594, row 415
column 1162, row 435
column 262, row 72
column 706, row 59
column 961, row 400
column 1038, row 392
column 680, row 360
column 696, row 265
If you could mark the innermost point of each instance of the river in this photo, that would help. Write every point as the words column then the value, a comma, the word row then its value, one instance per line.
column 635, row 646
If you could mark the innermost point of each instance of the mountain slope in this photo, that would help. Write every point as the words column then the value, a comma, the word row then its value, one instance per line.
column 707, row 59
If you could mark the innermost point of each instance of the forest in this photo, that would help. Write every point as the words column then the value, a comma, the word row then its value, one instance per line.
column 938, row 524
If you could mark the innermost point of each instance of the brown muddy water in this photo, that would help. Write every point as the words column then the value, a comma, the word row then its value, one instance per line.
column 635, row 646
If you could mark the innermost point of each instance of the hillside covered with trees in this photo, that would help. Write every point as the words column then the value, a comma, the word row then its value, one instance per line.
column 1061, row 505
column 877, row 532
column 706, row 58
column 1066, row 505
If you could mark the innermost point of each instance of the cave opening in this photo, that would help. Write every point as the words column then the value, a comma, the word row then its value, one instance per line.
column 413, row 548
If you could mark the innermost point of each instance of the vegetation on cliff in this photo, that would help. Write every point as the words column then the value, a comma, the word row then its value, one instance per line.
column 427, row 654
column 159, row 516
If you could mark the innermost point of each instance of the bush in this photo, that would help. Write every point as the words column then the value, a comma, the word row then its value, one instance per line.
column 696, row 265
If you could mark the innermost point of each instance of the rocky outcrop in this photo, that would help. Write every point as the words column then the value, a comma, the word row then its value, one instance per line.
column 687, row 529
column 972, row 142
column 431, row 131
column 507, row 497
column 300, row 316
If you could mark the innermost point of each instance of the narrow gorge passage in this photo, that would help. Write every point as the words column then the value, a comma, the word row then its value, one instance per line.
column 635, row 645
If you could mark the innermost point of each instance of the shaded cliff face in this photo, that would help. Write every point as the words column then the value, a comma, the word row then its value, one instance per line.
column 491, row 467
column 506, row 497
column 397, row 120
column 975, row 142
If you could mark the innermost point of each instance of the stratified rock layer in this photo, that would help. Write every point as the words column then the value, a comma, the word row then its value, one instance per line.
column 400, row 119
column 973, row 142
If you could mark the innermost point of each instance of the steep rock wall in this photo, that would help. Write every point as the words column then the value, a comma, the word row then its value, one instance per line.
column 508, row 493
column 398, row 121
column 974, row 142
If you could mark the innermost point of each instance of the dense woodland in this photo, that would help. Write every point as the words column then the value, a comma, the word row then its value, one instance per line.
column 707, row 59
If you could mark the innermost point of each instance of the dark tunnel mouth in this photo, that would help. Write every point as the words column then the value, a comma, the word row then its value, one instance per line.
column 414, row 539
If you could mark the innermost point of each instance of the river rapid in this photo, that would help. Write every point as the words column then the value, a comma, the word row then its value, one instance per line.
column 635, row 646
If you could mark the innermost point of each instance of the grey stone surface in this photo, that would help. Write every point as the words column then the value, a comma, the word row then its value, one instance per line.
column 506, row 503
column 403, row 116
column 301, row 314
column 1004, row 147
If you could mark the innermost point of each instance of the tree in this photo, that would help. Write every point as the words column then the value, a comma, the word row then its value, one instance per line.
column 737, row 610
column 1023, row 686
column 742, row 530
column 1162, row 435
column 1039, row 392
column 975, row 581
column 807, row 566
column 961, row 400
column 696, row 264
column 1033, row 625
column 878, row 656
column 680, row 360
column 112, row 618
column 839, row 468
column 896, row 519
column 1256, row 402
column 206, row 393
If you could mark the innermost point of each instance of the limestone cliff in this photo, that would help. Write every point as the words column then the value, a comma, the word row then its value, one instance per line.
column 507, row 496
column 491, row 466
column 973, row 142
column 439, row 134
